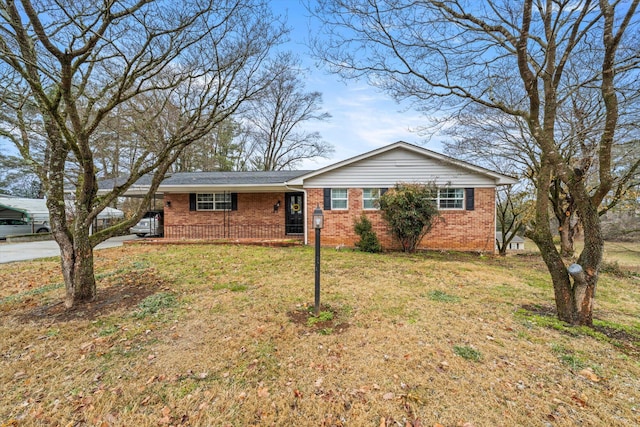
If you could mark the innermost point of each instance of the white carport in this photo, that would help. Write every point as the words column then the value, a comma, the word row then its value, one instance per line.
column 36, row 210
column 32, row 210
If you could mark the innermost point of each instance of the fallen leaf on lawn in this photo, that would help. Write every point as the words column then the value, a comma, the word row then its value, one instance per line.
column 86, row 346
column 388, row 396
column 579, row 400
column 166, row 411
column 263, row 392
column 383, row 422
column 19, row 375
column 589, row 374
column 318, row 382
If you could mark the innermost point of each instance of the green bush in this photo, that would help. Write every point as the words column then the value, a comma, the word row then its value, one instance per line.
column 410, row 211
column 368, row 238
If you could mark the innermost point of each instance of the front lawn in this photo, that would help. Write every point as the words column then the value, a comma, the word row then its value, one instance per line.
column 223, row 335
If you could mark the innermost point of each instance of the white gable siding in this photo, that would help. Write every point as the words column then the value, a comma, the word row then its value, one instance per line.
column 388, row 168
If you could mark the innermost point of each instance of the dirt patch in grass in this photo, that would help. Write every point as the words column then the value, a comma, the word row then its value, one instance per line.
column 323, row 324
column 132, row 289
column 540, row 310
column 626, row 341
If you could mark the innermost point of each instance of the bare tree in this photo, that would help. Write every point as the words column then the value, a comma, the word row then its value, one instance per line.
column 512, row 208
column 66, row 66
column 503, row 143
column 275, row 120
column 449, row 55
column 218, row 151
column 17, row 178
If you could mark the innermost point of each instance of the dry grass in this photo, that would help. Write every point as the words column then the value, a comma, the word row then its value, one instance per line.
column 219, row 335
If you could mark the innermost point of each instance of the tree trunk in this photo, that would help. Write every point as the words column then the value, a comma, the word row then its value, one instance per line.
column 566, row 236
column 502, row 248
column 543, row 238
column 589, row 260
column 574, row 301
column 77, row 270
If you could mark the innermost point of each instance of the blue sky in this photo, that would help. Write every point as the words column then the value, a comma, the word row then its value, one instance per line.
column 363, row 118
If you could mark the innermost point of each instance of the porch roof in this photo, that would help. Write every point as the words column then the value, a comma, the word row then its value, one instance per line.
column 190, row 182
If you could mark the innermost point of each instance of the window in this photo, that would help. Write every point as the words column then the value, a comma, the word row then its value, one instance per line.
column 450, row 198
column 339, row 198
column 370, row 198
column 213, row 201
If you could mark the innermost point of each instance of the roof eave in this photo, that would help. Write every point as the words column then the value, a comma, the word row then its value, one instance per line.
column 236, row 188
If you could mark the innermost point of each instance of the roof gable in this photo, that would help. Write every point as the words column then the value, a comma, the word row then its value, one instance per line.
column 401, row 162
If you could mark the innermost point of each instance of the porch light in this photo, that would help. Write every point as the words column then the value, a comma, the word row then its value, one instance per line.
column 318, row 218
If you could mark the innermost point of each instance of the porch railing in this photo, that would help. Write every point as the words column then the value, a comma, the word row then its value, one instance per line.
column 213, row 232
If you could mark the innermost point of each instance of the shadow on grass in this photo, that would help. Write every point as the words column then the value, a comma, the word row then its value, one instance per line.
column 624, row 338
column 132, row 288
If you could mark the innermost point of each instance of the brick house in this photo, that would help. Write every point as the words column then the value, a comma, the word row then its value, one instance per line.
column 279, row 205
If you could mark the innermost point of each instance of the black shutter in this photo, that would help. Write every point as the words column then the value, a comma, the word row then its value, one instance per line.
column 234, row 201
column 192, row 201
column 469, row 199
column 327, row 199
column 383, row 190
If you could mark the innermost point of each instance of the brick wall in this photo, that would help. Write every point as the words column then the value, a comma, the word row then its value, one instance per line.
column 254, row 218
column 460, row 230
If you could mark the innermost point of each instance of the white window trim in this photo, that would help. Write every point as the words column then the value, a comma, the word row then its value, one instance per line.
column 215, row 203
column 333, row 208
column 373, row 199
column 438, row 199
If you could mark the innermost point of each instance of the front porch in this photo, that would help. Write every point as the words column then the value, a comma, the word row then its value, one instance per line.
column 231, row 232
column 234, row 215
column 277, row 243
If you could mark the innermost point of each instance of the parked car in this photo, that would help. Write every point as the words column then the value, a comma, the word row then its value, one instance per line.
column 151, row 224
column 13, row 227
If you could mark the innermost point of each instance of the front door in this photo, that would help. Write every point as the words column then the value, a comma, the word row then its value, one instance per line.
column 294, row 215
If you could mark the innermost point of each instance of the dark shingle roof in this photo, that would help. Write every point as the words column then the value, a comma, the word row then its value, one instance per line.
column 109, row 183
column 232, row 178
column 212, row 178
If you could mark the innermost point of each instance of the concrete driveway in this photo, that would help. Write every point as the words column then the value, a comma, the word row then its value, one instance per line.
column 10, row 252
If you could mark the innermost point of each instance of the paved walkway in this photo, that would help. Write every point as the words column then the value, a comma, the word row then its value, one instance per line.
column 10, row 252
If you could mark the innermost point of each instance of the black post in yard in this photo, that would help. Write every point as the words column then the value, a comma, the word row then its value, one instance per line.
column 318, row 223
column 317, row 293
